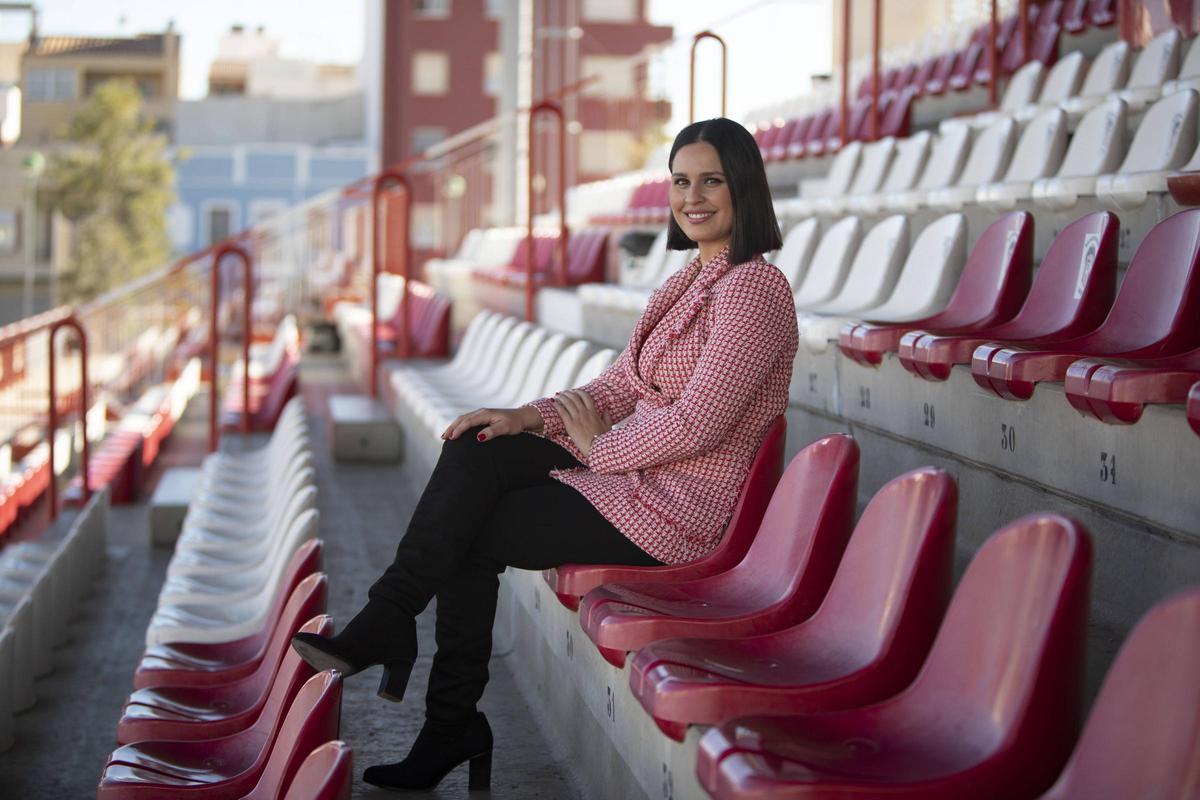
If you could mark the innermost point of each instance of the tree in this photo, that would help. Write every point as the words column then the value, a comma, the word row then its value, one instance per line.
column 115, row 185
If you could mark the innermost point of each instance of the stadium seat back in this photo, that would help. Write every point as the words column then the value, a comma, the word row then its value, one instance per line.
column 1166, row 136
column 1157, row 62
column 512, row 379
column 1007, row 663
column 1099, row 142
column 794, row 257
column 1142, row 738
column 1063, row 80
column 565, row 368
column 946, row 159
column 530, row 387
column 873, row 273
column 326, row 774
column 595, row 364
column 876, row 157
column 1109, row 71
column 830, row 262
column 996, row 277
column 990, row 154
column 912, row 153
column 1041, row 147
column 930, row 272
column 897, row 119
column 843, row 169
column 1023, row 87
column 312, row 720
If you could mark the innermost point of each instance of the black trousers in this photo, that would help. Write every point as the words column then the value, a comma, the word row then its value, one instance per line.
column 487, row 506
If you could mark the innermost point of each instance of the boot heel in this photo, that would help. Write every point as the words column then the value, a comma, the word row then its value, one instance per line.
column 479, row 775
column 395, row 680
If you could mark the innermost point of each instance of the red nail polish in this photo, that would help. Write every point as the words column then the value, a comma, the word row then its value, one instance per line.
column 481, row 437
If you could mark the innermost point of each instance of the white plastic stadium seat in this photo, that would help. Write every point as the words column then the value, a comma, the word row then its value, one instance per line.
column 796, row 254
column 872, row 167
column 907, row 165
column 830, row 263
column 1189, row 71
column 1108, row 73
column 837, row 180
column 1096, row 149
column 1163, row 142
column 1039, row 154
column 1020, row 93
column 872, row 276
column 989, row 158
column 929, row 275
column 1157, row 63
column 1062, row 83
column 942, row 168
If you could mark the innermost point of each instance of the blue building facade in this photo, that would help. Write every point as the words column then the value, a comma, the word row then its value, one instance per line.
column 224, row 189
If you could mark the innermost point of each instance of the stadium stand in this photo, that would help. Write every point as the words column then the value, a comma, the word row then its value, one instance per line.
column 970, row 264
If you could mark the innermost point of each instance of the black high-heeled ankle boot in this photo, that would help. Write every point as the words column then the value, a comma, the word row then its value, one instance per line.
column 379, row 634
column 439, row 749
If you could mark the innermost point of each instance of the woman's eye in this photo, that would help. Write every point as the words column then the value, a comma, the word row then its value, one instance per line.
column 713, row 181
column 680, row 182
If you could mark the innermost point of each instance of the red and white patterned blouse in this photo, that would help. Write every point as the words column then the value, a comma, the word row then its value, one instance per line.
column 705, row 373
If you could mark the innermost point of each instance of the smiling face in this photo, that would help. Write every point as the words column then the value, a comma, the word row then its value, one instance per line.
column 700, row 199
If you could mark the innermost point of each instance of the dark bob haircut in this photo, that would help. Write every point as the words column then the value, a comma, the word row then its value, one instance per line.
column 755, row 229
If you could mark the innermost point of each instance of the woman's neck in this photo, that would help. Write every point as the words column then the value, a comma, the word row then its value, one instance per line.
column 709, row 251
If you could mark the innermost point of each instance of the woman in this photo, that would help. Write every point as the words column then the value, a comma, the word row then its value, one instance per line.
column 705, row 372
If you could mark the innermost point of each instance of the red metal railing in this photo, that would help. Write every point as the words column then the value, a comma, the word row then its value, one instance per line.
column 388, row 177
column 692, row 72
column 237, row 251
column 555, row 110
column 52, row 425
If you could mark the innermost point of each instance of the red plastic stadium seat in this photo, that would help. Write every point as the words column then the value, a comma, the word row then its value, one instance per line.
column 190, row 713
column 268, row 396
column 1071, row 294
column 586, row 255
column 865, row 643
column 794, row 146
column 779, row 583
column 1156, row 313
column 992, row 714
column 1142, row 738
column 924, row 74
column 208, row 664
column 779, row 147
column 897, row 119
column 324, row 775
column 572, row 581
column 1193, row 408
column 813, row 134
column 229, row 767
column 769, row 138
column 968, row 60
column 818, row 141
column 1102, row 13
column 1118, row 392
column 428, row 326
column 993, row 285
column 1074, row 16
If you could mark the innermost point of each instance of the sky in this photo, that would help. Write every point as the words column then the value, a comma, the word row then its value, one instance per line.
column 773, row 44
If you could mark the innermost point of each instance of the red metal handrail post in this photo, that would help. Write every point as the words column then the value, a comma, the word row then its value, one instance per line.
column 876, row 36
column 1023, row 25
column 227, row 248
column 692, row 75
column 382, row 181
column 845, row 71
column 548, row 107
column 73, row 323
column 992, row 85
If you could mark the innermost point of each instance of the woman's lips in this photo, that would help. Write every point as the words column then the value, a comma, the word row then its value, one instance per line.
column 698, row 216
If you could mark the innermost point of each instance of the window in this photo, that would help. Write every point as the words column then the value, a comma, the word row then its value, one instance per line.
column 610, row 10
column 430, row 72
column 10, row 231
column 50, row 85
column 218, row 220
column 616, row 76
column 493, row 74
column 425, row 137
column 494, row 8
column 431, row 8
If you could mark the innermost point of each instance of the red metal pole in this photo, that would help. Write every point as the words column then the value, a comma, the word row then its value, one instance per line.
column 554, row 109
column 228, row 249
column 382, row 181
column 876, row 36
column 692, row 74
column 1023, row 26
column 845, row 117
column 70, row 322
column 992, row 93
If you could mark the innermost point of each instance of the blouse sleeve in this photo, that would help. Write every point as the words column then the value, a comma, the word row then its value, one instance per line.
column 610, row 391
column 755, row 326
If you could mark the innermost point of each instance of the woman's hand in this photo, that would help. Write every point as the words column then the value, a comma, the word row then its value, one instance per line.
column 581, row 419
column 496, row 422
